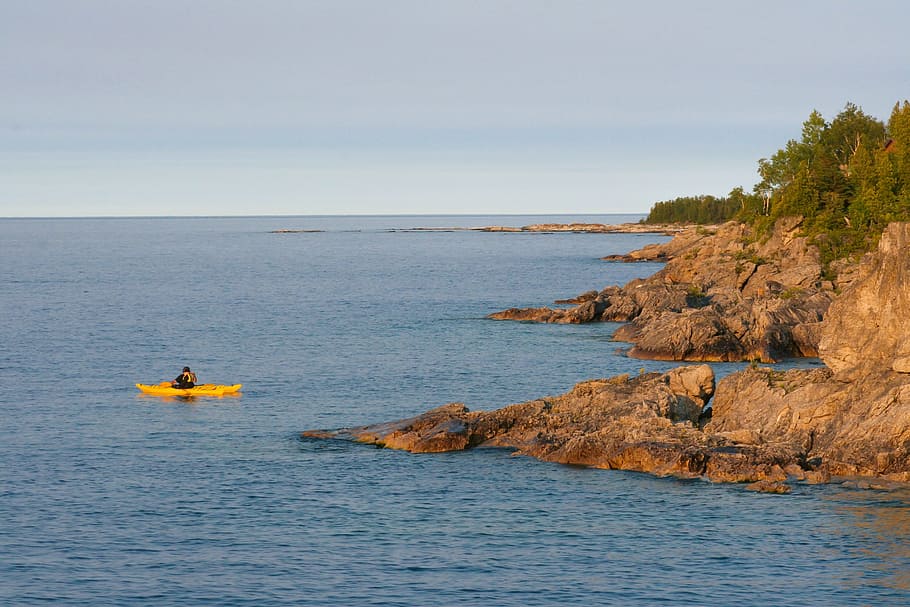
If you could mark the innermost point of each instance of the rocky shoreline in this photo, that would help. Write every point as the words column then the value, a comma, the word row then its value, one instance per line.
column 848, row 420
column 722, row 296
column 540, row 228
column 591, row 228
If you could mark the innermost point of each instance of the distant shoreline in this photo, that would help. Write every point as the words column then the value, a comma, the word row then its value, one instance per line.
column 541, row 228
column 592, row 228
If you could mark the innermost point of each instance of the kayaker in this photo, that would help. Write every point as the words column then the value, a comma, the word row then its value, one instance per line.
column 185, row 380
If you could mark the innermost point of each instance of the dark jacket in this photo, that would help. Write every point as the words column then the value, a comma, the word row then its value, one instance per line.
column 185, row 380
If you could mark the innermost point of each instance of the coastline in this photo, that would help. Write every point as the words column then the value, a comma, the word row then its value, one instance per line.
column 759, row 426
column 592, row 228
column 541, row 228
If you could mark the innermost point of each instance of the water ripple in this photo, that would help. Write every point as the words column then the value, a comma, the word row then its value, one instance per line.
column 110, row 499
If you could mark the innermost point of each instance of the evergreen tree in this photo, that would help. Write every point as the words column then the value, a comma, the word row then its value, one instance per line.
column 848, row 179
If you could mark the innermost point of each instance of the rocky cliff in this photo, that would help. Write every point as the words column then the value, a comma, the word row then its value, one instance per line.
column 722, row 296
column 853, row 416
column 764, row 426
column 868, row 326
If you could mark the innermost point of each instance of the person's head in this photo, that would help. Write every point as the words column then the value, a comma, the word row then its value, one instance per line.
column 186, row 369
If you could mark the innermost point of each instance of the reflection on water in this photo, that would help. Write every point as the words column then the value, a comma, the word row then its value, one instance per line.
column 173, row 398
column 879, row 519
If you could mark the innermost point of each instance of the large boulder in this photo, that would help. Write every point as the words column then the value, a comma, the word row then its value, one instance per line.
column 695, row 334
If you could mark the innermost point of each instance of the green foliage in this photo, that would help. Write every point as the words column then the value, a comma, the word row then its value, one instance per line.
column 751, row 256
column 848, row 179
column 843, row 178
column 704, row 209
column 791, row 293
column 696, row 297
column 695, row 291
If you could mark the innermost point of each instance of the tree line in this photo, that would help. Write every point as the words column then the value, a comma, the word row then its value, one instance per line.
column 848, row 178
column 694, row 209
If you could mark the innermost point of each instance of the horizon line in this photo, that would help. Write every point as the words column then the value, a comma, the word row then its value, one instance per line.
column 266, row 215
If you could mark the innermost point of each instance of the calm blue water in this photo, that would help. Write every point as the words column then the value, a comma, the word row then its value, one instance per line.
column 110, row 498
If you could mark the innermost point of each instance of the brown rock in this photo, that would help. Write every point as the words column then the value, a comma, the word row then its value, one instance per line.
column 901, row 364
column 751, row 463
column 683, row 241
column 806, row 336
column 817, row 477
column 778, row 406
column 769, row 487
column 594, row 228
column 850, row 420
column 527, row 314
column 694, row 335
column 720, row 297
column 498, row 229
column 584, row 297
column 868, row 326
column 696, row 383
column 646, row 423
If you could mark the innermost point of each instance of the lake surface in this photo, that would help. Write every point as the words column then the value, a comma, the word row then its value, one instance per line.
column 111, row 498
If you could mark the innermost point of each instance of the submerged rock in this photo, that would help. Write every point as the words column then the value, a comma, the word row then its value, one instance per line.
column 769, row 487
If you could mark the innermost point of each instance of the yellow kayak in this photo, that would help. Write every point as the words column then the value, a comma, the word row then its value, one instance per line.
column 165, row 389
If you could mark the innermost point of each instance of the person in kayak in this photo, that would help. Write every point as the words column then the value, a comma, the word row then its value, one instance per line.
column 185, row 380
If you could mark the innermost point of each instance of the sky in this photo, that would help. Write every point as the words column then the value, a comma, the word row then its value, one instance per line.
column 295, row 107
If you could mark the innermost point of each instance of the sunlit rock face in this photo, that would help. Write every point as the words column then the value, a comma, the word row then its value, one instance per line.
column 868, row 326
column 851, row 418
column 722, row 296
